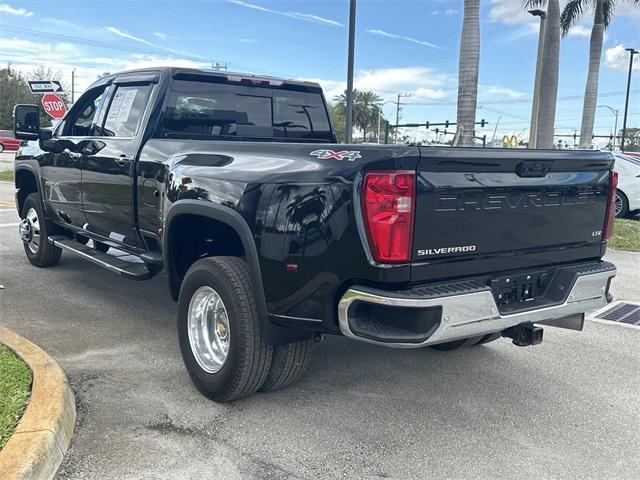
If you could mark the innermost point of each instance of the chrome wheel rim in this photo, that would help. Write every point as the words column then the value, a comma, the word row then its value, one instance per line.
column 618, row 205
column 30, row 230
column 208, row 327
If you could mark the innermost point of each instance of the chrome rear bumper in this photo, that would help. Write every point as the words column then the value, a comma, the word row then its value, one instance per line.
column 475, row 313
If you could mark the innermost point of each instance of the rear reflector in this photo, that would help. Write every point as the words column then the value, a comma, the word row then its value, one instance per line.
column 388, row 204
column 611, row 205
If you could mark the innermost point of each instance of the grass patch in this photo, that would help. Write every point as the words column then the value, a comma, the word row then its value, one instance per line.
column 7, row 175
column 626, row 235
column 15, row 388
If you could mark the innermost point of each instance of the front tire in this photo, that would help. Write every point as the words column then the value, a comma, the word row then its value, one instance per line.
column 219, row 330
column 622, row 204
column 1, row 148
column 34, row 231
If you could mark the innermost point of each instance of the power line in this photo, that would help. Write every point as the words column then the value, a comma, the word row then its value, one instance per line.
column 514, row 101
column 116, row 46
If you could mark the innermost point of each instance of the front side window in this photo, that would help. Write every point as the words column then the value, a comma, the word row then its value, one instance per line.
column 83, row 119
column 201, row 109
column 126, row 110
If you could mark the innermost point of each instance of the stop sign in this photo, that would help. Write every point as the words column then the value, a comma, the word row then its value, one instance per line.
column 54, row 106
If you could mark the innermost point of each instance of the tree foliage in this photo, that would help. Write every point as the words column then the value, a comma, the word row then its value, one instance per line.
column 338, row 119
column 574, row 10
column 631, row 140
column 367, row 107
column 604, row 11
column 13, row 90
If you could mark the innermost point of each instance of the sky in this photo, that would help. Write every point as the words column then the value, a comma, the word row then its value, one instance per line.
column 401, row 46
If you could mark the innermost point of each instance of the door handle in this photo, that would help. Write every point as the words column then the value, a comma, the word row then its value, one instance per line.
column 123, row 161
column 75, row 156
column 533, row 168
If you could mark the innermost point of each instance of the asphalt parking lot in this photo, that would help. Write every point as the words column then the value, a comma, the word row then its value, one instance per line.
column 568, row 408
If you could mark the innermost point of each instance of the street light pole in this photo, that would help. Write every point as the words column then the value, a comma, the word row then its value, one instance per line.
column 535, row 108
column 615, row 126
column 352, row 41
column 626, row 103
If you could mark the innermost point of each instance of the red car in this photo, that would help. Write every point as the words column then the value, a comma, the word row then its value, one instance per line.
column 633, row 154
column 7, row 142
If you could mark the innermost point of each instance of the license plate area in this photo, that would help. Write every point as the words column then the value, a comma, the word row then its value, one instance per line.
column 513, row 290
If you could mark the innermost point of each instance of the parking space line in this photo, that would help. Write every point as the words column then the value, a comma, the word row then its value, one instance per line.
column 8, row 225
column 5, row 203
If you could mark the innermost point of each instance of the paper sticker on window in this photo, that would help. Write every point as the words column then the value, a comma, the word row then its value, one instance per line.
column 127, row 103
column 121, row 105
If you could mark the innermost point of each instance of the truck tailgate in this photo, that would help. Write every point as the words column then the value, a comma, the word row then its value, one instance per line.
column 476, row 207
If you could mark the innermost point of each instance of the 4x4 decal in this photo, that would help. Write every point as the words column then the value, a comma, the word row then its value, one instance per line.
column 350, row 155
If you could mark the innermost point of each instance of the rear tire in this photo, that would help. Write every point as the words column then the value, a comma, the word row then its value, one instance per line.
column 289, row 364
column 34, row 231
column 233, row 321
column 456, row 344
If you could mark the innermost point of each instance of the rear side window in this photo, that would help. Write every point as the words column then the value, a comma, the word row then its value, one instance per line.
column 126, row 110
column 206, row 110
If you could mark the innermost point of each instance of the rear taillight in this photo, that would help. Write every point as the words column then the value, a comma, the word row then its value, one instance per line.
column 388, row 204
column 611, row 205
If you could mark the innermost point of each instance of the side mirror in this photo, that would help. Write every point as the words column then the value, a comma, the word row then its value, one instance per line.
column 26, row 122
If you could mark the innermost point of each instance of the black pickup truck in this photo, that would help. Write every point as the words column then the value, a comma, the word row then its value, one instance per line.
column 272, row 234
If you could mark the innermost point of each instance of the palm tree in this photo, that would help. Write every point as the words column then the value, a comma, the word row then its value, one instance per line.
column 549, row 72
column 366, row 108
column 468, row 67
column 604, row 11
column 371, row 104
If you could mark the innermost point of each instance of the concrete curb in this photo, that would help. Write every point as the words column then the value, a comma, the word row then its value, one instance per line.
column 37, row 447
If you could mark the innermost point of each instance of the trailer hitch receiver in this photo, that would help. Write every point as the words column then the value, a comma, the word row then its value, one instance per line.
column 524, row 335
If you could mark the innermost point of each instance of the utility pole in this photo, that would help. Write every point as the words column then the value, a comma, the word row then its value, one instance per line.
column 352, row 41
column 633, row 52
column 400, row 95
column 395, row 139
column 535, row 109
column 73, row 85
column 495, row 130
column 380, row 117
column 218, row 67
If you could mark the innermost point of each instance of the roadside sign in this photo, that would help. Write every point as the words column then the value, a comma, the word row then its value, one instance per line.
column 54, row 106
column 44, row 86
